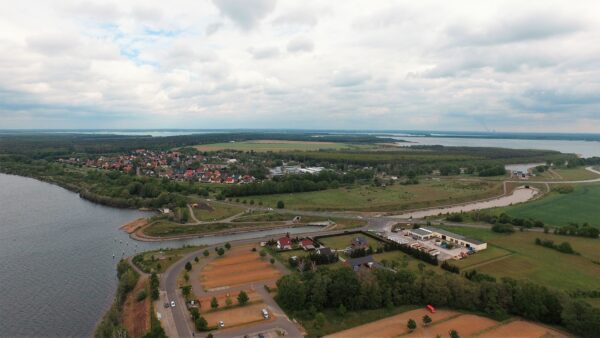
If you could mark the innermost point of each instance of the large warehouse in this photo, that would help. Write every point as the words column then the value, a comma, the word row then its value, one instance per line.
column 426, row 233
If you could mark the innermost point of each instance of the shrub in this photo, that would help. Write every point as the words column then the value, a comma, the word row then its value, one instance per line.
column 280, row 205
column 243, row 298
column 141, row 295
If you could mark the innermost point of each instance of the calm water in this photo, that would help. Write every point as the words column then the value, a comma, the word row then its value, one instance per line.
column 582, row 148
column 57, row 274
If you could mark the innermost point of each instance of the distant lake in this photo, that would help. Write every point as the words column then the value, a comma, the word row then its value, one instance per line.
column 57, row 273
column 581, row 148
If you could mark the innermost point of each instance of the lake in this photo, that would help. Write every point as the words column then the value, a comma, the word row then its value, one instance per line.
column 582, row 148
column 57, row 270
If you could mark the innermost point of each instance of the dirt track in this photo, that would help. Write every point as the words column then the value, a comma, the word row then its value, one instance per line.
column 392, row 326
column 240, row 266
column 522, row 329
column 465, row 325
column 236, row 316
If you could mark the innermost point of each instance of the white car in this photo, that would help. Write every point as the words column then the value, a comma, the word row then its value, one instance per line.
column 172, row 303
column 265, row 313
column 221, row 323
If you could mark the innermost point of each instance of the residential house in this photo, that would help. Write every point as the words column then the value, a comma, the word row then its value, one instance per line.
column 284, row 243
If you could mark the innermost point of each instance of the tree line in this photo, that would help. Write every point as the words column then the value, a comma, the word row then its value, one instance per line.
column 312, row 291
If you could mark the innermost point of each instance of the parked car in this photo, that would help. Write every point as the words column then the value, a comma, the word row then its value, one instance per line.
column 221, row 324
column 265, row 313
column 172, row 303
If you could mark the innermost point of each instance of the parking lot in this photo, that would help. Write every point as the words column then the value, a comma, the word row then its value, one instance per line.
column 403, row 237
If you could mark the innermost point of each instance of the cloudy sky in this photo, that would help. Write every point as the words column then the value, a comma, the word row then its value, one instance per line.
column 436, row 65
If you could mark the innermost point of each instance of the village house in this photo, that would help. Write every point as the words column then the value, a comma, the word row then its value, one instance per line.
column 284, row 243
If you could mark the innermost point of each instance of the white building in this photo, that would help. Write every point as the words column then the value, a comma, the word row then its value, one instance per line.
column 426, row 233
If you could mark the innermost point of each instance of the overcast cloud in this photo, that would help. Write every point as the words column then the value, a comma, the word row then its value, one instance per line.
column 441, row 65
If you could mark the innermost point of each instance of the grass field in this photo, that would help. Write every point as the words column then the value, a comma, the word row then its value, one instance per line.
column 165, row 228
column 275, row 146
column 217, row 211
column 341, row 223
column 571, row 174
column 390, row 198
column 343, row 241
column 537, row 263
column 160, row 260
column 582, row 205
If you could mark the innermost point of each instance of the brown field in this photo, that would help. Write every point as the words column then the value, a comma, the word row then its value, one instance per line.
column 240, row 266
column 221, row 298
column 134, row 225
column 136, row 315
column 519, row 328
column 465, row 325
column 444, row 321
column 394, row 325
column 237, row 316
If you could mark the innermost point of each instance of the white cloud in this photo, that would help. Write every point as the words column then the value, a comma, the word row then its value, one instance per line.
column 300, row 44
column 312, row 64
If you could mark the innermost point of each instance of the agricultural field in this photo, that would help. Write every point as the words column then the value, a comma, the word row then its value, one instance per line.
column 580, row 206
column 536, row 263
column 275, row 146
column 239, row 266
column 391, row 198
column 165, row 228
column 466, row 325
column 214, row 211
column 253, row 297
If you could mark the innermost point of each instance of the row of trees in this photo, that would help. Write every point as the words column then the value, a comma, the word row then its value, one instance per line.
column 372, row 289
column 563, row 247
column 574, row 229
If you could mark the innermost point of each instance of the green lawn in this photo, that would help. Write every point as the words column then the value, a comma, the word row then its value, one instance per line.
column 165, row 228
column 343, row 241
column 537, row 263
column 219, row 211
column 570, row 174
column 582, row 205
column 160, row 260
column 479, row 258
column 403, row 261
column 276, row 146
column 391, row 198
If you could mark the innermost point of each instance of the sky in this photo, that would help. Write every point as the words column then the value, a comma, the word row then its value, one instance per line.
column 424, row 65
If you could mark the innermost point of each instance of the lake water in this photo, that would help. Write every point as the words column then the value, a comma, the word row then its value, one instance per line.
column 582, row 148
column 57, row 274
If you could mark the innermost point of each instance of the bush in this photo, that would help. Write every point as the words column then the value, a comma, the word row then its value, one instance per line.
column 280, row 205
column 141, row 295
column 503, row 228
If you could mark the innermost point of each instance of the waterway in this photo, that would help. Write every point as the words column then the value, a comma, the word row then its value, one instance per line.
column 581, row 148
column 57, row 271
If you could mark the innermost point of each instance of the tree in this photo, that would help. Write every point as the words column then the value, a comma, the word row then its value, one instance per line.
column 221, row 252
column 206, row 253
column 228, row 301
column 454, row 334
column 188, row 266
column 411, row 325
column 227, row 246
column 272, row 260
column 262, row 253
column 186, row 290
column 280, row 205
column 243, row 298
column 319, row 320
column 201, row 324
column 426, row 320
column 196, row 259
column 214, row 303
column 341, row 310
